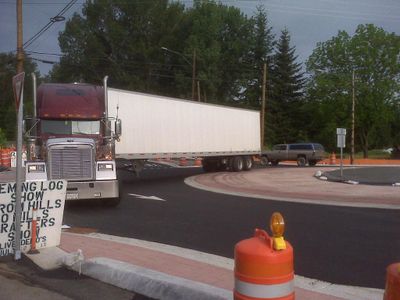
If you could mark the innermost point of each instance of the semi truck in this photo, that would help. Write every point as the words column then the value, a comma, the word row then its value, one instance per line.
column 76, row 131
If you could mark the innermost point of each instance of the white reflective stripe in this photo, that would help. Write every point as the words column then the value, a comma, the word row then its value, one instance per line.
column 264, row 291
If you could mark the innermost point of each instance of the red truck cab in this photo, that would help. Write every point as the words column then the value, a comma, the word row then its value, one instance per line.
column 73, row 140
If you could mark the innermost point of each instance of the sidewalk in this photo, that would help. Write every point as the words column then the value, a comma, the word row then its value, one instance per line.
column 172, row 273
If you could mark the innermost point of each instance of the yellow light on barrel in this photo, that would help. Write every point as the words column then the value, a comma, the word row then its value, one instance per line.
column 277, row 225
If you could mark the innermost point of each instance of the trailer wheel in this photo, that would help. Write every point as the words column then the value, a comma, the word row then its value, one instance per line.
column 248, row 163
column 237, row 164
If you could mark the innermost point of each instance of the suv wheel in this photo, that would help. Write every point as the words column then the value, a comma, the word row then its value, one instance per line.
column 301, row 161
column 274, row 162
column 264, row 160
column 312, row 163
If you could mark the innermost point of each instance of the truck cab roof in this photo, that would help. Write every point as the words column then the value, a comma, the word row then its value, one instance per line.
column 70, row 101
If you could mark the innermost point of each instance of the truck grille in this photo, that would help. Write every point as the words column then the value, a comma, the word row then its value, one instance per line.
column 71, row 163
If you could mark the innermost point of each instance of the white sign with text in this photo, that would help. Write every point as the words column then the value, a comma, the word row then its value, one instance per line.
column 47, row 198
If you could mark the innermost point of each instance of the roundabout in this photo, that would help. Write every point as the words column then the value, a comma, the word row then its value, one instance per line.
column 293, row 184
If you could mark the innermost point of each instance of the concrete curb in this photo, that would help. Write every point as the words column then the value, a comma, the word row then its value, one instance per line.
column 150, row 283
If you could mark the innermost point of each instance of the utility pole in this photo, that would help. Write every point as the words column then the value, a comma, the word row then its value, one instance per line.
column 194, row 75
column 198, row 91
column 20, row 53
column 264, row 88
column 352, row 118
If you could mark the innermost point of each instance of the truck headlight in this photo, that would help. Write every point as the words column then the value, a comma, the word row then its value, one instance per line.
column 36, row 168
column 105, row 167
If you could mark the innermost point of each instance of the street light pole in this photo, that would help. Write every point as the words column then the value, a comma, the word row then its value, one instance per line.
column 352, row 119
column 192, row 64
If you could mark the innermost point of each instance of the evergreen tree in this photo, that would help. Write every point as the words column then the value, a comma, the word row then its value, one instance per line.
column 149, row 45
column 122, row 39
column 261, row 51
column 287, row 83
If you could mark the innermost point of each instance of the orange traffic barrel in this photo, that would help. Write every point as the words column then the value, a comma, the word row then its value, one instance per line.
column 333, row 159
column 262, row 271
column 197, row 162
column 392, row 290
column 6, row 157
column 183, row 162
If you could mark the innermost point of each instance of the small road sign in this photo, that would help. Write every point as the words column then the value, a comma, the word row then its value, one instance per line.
column 18, row 86
column 341, row 137
column 341, row 131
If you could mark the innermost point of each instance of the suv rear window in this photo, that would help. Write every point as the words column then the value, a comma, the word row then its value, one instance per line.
column 301, row 147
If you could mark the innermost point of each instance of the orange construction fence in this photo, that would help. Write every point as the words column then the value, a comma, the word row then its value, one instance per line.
column 5, row 157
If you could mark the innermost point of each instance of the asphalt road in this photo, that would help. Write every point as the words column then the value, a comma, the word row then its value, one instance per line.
column 343, row 245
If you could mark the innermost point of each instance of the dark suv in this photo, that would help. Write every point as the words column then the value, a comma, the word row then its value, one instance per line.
column 303, row 153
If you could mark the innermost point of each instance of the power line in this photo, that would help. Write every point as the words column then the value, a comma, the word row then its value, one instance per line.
column 53, row 20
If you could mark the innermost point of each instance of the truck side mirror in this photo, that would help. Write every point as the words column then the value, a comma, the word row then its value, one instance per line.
column 118, row 127
column 29, row 126
column 108, row 128
column 24, row 126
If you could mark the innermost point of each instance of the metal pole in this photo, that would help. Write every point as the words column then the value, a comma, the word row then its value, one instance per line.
column 341, row 163
column 18, row 188
column 105, row 97
column 34, row 95
column 20, row 53
column 18, row 185
column 198, row 91
column 352, row 121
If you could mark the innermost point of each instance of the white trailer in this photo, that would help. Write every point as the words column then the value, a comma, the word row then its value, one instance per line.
column 161, row 127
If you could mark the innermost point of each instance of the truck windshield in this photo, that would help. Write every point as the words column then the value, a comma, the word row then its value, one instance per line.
column 70, row 127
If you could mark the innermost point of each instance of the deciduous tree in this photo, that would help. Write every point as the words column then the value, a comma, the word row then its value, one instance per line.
column 373, row 54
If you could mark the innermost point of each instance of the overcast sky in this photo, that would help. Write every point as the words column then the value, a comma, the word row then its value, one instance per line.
column 308, row 21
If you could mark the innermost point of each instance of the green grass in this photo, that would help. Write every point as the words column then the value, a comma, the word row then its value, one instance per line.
column 374, row 154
